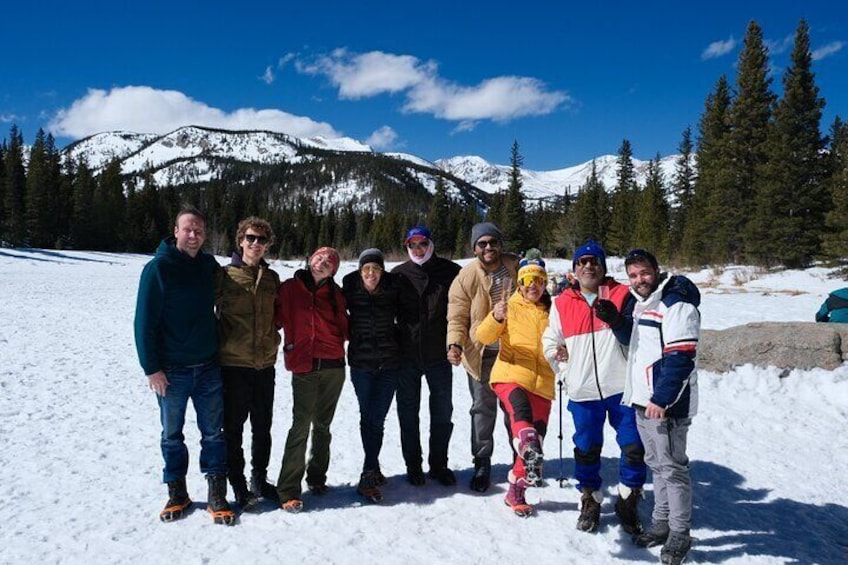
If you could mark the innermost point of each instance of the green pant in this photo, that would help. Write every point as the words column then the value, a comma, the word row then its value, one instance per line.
column 316, row 396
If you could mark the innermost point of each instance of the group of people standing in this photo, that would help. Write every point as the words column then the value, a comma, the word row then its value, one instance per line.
column 623, row 355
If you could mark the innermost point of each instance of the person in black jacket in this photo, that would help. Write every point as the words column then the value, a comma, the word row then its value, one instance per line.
column 423, row 325
column 374, row 356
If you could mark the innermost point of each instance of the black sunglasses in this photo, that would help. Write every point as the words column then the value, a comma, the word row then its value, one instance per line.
column 251, row 238
column 484, row 243
column 419, row 244
column 588, row 260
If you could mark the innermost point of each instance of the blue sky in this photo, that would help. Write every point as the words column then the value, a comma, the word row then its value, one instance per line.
column 568, row 80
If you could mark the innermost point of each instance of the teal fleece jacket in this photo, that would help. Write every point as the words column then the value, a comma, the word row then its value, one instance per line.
column 175, row 323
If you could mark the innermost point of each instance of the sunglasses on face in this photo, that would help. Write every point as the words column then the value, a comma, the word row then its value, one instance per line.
column 419, row 244
column 371, row 269
column 588, row 260
column 253, row 238
column 484, row 243
column 528, row 280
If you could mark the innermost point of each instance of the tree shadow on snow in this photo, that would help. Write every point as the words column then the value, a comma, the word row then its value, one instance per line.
column 56, row 256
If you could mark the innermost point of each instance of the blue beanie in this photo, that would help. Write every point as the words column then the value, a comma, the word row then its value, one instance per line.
column 593, row 248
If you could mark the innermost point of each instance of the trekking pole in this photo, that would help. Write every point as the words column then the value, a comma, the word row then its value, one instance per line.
column 562, row 478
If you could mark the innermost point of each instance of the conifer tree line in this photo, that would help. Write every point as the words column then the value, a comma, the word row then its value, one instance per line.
column 757, row 182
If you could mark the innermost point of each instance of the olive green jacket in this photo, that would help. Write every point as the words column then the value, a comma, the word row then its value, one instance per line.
column 245, row 306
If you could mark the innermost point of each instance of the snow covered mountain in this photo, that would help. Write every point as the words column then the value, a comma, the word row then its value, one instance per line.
column 194, row 154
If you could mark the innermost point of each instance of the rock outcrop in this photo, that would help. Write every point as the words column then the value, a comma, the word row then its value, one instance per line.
column 787, row 345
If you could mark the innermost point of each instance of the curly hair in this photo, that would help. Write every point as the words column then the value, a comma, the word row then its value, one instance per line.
column 259, row 225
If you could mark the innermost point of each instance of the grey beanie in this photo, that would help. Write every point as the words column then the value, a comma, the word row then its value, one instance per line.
column 485, row 228
column 372, row 255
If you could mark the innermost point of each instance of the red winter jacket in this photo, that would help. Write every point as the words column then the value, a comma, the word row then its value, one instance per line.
column 314, row 322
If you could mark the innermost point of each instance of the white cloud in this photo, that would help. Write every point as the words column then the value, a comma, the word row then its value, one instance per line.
column 268, row 76
column 383, row 139
column 285, row 60
column 776, row 47
column 718, row 49
column 10, row 118
column 370, row 74
column 147, row 110
column 827, row 50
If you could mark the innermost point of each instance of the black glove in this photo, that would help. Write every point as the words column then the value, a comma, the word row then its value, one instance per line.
column 607, row 312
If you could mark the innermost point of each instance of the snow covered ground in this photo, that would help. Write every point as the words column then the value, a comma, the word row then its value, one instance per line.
column 81, row 468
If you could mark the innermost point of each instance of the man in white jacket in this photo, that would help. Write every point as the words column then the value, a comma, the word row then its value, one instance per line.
column 662, row 328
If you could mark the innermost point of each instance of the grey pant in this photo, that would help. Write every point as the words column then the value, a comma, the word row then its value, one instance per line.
column 665, row 454
column 484, row 408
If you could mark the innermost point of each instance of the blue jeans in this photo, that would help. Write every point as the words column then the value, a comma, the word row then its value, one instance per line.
column 589, row 417
column 203, row 384
column 439, row 377
column 374, row 391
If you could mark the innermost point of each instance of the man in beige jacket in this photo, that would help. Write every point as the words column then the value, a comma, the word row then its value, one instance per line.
column 477, row 287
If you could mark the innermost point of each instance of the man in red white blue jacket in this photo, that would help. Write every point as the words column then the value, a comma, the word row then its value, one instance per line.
column 592, row 365
column 662, row 328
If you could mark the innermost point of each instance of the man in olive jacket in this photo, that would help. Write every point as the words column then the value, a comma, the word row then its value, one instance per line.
column 248, row 351
column 478, row 286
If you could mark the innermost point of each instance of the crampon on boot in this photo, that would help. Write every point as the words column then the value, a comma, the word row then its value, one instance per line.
column 368, row 487
column 590, row 510
column 515, row 498
column 178, row 502
column 218, row 506
column 530, row 450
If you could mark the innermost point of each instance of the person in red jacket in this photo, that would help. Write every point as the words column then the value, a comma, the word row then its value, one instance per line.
column 311, row 311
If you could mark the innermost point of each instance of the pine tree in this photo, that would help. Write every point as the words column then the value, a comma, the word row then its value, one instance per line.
column 14, row 205
column 651, row 231
column 835, row 241
column 713, row 153
column 682, row 189
column 514, row 217
column 3, row 150
column 37, row 189
column 788, row 219
column 110, row 207
column 439, row 218
column 83, row 230
column 620, row 231
column 589, row 214
column 750, row 115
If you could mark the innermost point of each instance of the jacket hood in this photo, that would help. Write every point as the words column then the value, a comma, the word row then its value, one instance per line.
column 685, row 288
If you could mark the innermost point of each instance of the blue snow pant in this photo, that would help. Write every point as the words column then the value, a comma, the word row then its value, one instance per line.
column 589, row 417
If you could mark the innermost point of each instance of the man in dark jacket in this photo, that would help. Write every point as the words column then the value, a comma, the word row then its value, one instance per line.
column 177, row 346
column 249, row 341
column 423, row 325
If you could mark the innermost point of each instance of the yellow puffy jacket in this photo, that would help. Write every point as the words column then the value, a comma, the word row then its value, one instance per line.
column 521, row 359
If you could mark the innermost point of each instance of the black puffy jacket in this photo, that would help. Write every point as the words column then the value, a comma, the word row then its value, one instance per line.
column 423, row 317
column 374, row 336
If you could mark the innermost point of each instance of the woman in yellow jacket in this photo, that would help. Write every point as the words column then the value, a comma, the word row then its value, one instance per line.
column 522, row 378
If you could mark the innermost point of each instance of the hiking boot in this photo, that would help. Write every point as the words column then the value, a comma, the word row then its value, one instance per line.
column 292, row 505
column 676, row 548
column 245, row 499
column 515, row 499
column 260, row 486
column 368, row 487
column 482, row 474
column 178, row 501
column 627, row 509
column 217, row 505
column 444, row 476
column 415, row 477
column 318, row 489
column 590, row 510
column 529, row 448
column 653, row 536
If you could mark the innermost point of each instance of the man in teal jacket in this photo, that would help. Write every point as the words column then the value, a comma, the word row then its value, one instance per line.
column 835, row 308
column 177, row 343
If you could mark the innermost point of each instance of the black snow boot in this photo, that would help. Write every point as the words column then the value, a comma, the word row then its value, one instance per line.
column 246, row 500
column 627, row 510
column 260, row 486
column 482, row 474
column 653, row 536
column 178, row 501
column 218, row 506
